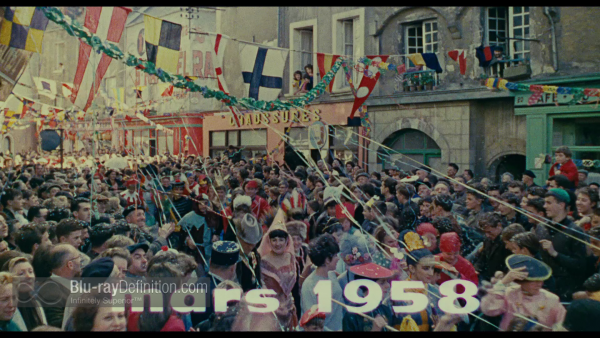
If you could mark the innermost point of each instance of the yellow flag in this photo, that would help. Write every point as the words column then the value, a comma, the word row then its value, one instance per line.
column 417, row 59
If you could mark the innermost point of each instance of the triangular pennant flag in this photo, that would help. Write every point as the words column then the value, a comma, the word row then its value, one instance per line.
column 67, row 89
column 325, row 62
column 460, row 56
column 367, row 83
column 168, row 91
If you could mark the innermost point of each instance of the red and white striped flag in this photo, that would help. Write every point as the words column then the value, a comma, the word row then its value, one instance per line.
column 220, row 44
column 460, row 56
column 107, row 23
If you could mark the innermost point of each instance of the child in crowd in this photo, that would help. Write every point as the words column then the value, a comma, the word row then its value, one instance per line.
column 564, row 165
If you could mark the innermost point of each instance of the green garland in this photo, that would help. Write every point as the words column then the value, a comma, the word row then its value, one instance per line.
column 74, row 28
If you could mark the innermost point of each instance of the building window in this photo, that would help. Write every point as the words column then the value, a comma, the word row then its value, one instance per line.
column 519, row 29
column 299, row 138
column 414, row 39
column 497, row 27
column 253, row 137
column 217, row 139
column 421, row 37
column 431, row 36
column 306, row 45
column 581, row 136
column 348, row 43
column 515, row 22
column 302, row 44
column 254, row 142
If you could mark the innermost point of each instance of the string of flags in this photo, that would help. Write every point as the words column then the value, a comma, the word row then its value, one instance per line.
column 537, row 90
column 163, row 41
column 111, row 50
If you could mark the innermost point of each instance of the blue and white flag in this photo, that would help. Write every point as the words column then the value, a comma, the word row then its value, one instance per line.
column 262, row 70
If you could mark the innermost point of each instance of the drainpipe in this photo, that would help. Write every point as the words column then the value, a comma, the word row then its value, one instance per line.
column 554, row 49
column 279, row 9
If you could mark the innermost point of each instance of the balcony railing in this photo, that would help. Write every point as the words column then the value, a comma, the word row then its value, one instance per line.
column 497, row 69
column 417, row 80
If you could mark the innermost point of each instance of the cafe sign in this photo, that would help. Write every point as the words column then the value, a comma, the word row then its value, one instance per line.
column 549, row 99
column 286, row 116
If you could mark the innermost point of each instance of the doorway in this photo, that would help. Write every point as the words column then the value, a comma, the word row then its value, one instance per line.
column 514, row 164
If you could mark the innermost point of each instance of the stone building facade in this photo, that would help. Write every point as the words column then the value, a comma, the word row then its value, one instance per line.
column 458, row 120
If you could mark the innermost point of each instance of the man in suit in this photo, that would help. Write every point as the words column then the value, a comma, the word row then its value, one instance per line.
column 64, row 263
column 493, row 253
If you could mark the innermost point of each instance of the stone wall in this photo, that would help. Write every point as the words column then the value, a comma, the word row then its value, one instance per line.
column 496, row 132
column 446, row 123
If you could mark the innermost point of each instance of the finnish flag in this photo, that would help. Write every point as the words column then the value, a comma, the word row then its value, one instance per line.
column 262, row 70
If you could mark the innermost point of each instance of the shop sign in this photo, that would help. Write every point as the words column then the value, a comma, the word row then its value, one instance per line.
column 257, row 118
column 549, row 99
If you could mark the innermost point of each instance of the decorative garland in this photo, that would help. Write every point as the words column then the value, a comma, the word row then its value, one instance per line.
column 74, row 28
column 578, row 93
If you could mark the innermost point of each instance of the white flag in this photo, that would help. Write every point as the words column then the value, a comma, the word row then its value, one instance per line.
column 262, row 70
column 45, row 87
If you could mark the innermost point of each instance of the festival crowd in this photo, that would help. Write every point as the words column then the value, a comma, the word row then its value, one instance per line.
column 533, row 252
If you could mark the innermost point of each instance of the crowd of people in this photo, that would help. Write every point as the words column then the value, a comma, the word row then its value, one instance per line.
column 532, row 251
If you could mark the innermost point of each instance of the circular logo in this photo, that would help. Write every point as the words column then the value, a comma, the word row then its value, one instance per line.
column 317, row 135
column 141, row 43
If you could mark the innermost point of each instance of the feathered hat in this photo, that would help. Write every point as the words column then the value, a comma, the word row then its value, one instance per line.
column 296, row 201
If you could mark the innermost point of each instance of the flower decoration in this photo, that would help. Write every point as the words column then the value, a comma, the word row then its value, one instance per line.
column 397, row 253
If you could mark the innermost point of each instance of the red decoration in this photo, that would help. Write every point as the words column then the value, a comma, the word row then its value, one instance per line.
column 367, row 83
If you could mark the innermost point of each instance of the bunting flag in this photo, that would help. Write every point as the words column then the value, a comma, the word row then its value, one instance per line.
column 45, row 87
column 107, row 23
column 262, row 70
column 485, row 55
column 166, row 89
column 67, row 89
column 163, row 42
column 219, row 43
column 325, row 62
column 460, row 56
column 27, row 106
column 368, row 83
column 426, row 59
column 23, row 28
column 12, row 112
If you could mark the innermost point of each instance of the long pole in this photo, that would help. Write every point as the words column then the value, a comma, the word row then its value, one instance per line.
column 61, row 149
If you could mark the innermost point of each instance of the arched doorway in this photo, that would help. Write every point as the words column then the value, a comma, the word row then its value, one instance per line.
column 410, row 143
column 514, row 164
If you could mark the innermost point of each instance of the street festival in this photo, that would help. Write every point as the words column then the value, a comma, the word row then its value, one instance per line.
column 299, row 169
